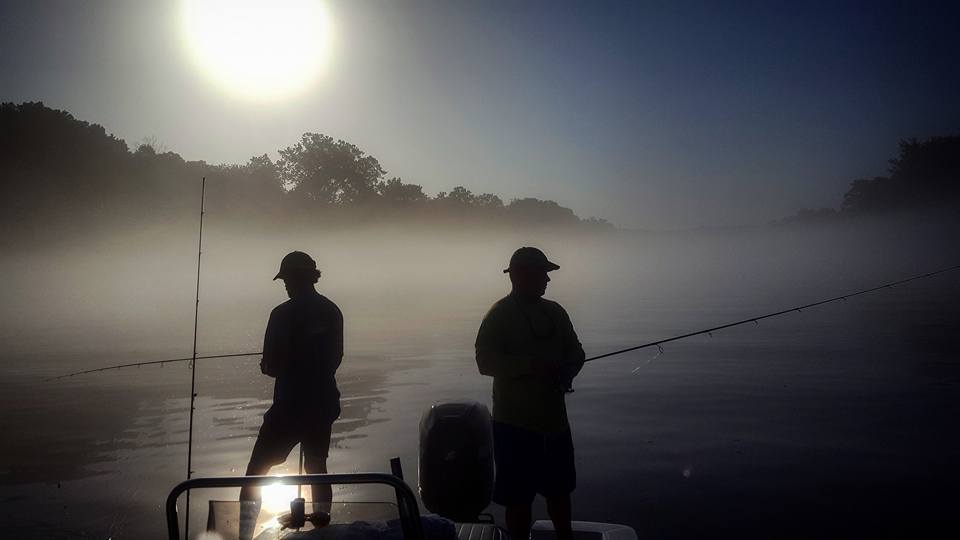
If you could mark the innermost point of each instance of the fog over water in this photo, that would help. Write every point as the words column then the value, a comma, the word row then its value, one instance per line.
column 838, row 418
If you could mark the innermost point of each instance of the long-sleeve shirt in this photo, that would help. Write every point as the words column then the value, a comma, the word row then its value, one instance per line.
column 302, row 348
column 511, row 335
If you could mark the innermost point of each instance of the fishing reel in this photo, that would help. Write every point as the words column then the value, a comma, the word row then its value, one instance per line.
column 298, row 517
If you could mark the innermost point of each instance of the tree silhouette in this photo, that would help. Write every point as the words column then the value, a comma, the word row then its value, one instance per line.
column 329, row 171
column 488, row 201
column 395, row 192
column 458, row 198
column 530, row 210
column 234, row 187
column 877, row 194
column 64, row 177
column 924, row 174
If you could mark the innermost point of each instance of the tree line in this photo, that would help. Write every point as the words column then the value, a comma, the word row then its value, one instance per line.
column 924, row 176
column 58, row 170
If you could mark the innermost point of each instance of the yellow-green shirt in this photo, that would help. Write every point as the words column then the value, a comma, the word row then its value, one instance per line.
column 511, row 335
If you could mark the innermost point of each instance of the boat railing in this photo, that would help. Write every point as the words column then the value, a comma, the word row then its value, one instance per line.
column 407, row 506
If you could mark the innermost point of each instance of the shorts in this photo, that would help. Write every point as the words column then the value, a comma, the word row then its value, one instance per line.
column 281, row 432
column 529, row 462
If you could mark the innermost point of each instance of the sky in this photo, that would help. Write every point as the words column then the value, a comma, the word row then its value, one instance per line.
column 649, row 114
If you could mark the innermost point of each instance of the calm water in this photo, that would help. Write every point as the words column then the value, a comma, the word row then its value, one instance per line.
column 838, row 421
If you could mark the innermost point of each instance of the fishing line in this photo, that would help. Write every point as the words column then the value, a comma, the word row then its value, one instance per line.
column 659, row 344
column 756, row 320
column 154, row 363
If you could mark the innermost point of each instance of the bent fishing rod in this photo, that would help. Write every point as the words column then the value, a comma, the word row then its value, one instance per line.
column 659, row 343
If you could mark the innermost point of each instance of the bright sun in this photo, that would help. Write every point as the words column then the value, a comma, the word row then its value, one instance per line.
column 276, row 497
column 266, row 49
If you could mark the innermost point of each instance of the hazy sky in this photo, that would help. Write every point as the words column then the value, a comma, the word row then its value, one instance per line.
column 651, row 114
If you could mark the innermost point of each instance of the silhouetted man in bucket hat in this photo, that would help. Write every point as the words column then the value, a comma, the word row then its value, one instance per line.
column 528, row 345
column 302, row 350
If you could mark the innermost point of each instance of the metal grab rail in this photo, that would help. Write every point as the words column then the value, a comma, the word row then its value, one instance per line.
column 406, row 501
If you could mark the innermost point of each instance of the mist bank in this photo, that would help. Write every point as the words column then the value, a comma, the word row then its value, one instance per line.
column 131, row 293
column 99, row 247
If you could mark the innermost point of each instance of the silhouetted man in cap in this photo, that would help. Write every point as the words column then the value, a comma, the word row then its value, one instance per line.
column 528, row 345
column 302, row 350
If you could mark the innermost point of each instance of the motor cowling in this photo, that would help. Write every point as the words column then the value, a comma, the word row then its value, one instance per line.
column 456, row 459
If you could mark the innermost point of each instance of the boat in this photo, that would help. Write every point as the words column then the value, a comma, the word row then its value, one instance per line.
column 456, row 475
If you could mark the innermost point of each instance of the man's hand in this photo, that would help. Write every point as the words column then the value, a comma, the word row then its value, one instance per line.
column 566, row 373
column 267, row 368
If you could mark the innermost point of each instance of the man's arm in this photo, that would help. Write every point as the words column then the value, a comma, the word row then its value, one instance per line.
column 492, row 358
column 573, row 355
column 274, row 359
column 333, row 343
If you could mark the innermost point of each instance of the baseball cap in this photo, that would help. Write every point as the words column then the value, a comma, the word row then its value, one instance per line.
column 530, row 257
column 297, row 263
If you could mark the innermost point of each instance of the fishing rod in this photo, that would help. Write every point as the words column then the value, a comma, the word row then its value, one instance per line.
column 160, row 363
column 756, row 320
column 193, row 358
column 658, row 343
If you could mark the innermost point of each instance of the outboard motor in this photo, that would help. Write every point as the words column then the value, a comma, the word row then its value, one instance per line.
column 456, row 459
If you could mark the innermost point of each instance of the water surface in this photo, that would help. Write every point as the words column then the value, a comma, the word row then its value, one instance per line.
column 837, row 421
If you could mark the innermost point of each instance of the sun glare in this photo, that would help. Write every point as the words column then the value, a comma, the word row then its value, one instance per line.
column 257, row 49
column 276, row 497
